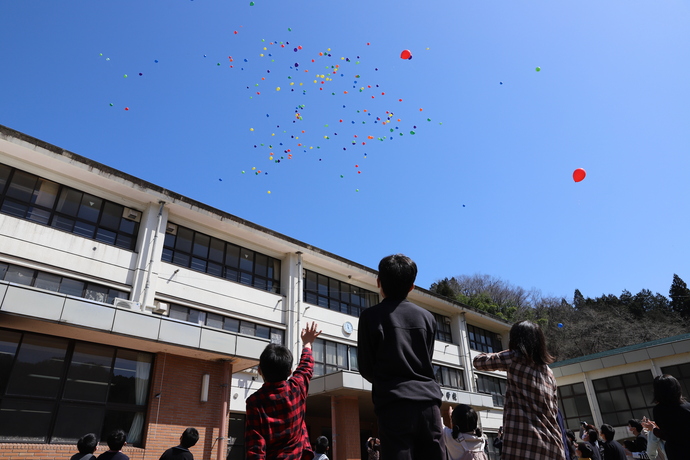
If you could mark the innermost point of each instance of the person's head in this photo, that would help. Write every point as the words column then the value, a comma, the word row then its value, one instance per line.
column 321, row 446
column 275, row 363
column 528, row 338
column 584, row 450
column 608, row 432
column 397, row 274
column 592, row 436
column 374, row 443
column 570, row 435
column 634, row 426
column 116, row 440
column 87, row 444
column 189, row 437
column 667, row 390
column 464, row 420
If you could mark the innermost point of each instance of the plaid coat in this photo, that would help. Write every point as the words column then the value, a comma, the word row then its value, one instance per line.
column 274, row 425
column 531, row 404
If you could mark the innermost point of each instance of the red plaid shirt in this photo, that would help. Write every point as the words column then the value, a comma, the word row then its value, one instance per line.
column 275, row 427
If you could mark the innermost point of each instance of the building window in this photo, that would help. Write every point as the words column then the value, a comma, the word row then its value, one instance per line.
column 192, row 315
column 574, row 405
column 443, row 328
column 50, row 282
column 682, row 373
column 336, row 295
column 624, row 397
column 494, row 386
column 449, row 377
column 54, row 390
column 200, row 252
column 44, row 202
column 332, row 357
column 483, row 340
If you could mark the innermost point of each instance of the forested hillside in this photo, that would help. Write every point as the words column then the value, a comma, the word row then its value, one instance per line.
column 583, row 325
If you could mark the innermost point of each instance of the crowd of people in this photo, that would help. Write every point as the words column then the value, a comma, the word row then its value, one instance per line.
column 395, row 348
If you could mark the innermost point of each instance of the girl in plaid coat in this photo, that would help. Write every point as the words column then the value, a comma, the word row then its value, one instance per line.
column 531, row 403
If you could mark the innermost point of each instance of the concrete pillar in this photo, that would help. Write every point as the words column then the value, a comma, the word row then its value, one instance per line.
column 150, row 249
column 345, row 428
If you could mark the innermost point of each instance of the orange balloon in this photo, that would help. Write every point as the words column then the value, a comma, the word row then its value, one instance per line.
column 579, row 174
column 406, row 54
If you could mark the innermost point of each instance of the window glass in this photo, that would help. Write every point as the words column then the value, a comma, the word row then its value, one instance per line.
column 76, row 418
column 213, row 320
column 183, row 242
column 45, row 193
column 106, row 236
column 128, row 226
column 22, row 186
column 63, row 223
column 130, row 379
column 96, row 292
column 261, row 265
column 319, row 350
column 232, row 257
column 331, row 357
column 247, row 328
column 72, row 287
column 342, row 355
column 246, row 260
column 353, row 359
column 38, row 215
column 277, row 336
column 19, row 275
column 48, row 281
column 89, row 373
column 4, row 175
column 89, row 208
column 263, row 331
column 9, row 342
column 15, row 209
column 69, row 202
column 231, row 324
column 25, row 420
column 84, row 229
column 178, row 312
column 38, row 367
column 201, row 245
column 111, row 216
column 216, row 251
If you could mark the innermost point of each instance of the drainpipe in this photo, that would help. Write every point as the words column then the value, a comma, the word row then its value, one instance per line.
column 298, row 298
column 224, row 411
column 144, row 298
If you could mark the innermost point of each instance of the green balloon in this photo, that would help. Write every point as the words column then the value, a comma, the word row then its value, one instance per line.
column 251, row 3
column 538, row 69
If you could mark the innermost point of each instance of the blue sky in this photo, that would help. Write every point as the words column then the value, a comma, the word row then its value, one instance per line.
column 484, row 185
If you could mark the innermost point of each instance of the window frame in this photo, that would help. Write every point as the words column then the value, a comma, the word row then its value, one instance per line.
column 443, row 330
column 331, row 293
column 33, row 205
column 484, row 381
column 621, row 385
column 199, row 251
column 576, row 392
column 490, row 342
column 106, row 410
column 440, row 371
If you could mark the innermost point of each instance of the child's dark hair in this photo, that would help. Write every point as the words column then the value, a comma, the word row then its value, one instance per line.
column 633, row 422
column 608, row 432
column 528, row 338
column 592, row 436
column 321, row 446
column 87, row 444
column 189, row 437
column 275, row 363
column 116, row 440
column 585, row 449
column 464, row 420
column 667, row 390
column 397, row 274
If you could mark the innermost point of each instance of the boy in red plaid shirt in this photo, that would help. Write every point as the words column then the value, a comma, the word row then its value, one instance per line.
column 275, row 427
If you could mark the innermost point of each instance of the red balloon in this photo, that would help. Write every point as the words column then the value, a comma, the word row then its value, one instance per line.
column 406, row 54
column 579, row 174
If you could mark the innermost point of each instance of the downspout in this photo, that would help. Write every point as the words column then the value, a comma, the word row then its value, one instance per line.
column 224, row 412
column 298, row 297
column 153, row 253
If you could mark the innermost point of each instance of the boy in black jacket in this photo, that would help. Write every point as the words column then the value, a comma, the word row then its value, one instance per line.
column 395, row 347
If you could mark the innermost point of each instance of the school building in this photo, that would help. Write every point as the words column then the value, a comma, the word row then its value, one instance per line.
column 615, row 386
column 126, row 305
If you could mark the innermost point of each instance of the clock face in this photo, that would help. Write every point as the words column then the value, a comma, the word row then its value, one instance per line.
column 347, row 327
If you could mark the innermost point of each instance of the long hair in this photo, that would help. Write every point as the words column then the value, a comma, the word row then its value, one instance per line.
column 667, row 390
column 528, row 338
column 465, row 420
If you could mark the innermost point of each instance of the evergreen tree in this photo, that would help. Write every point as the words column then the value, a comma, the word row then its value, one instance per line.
column 680, row 296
